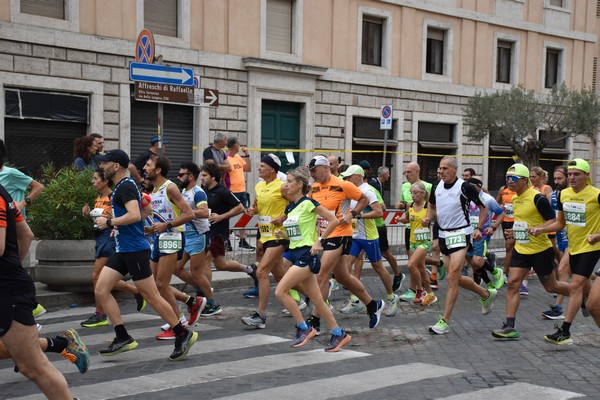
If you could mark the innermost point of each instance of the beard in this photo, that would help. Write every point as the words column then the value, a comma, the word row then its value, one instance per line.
column 184, row 184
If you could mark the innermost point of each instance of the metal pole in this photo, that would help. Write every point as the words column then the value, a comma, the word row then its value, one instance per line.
column 385, row 135
column 160, row 126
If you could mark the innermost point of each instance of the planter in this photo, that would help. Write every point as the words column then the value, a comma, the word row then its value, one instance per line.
column 65, row 265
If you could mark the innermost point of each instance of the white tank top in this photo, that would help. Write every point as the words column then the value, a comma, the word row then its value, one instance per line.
column 452, row 208
column 162, row 206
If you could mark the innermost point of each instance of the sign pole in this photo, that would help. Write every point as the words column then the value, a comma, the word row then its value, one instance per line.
column 385, row 138
column 160, row 126
column 385, row 124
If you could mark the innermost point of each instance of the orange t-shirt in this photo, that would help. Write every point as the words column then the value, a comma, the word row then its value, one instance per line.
column 105, row 203
column 335, row 195
column 18, row 215
column 236, row 176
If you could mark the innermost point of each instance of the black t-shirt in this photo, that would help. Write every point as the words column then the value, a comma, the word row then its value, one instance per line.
column 212, row 153
column 220, row 201
column 141, row 160
column 13, row 277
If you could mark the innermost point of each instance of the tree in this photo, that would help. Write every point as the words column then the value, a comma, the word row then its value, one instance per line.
column 513, row 118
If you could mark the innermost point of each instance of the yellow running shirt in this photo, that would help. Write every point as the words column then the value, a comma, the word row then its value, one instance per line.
column 582, row 215
column 271, row 204
column 527, row 215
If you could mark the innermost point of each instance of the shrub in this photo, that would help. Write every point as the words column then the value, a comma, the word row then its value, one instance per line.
column 56, row 213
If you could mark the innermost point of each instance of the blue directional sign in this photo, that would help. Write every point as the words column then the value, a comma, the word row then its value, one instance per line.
column 154, row 73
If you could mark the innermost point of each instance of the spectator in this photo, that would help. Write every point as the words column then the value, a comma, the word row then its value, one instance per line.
column 383, row 175
column 335, row 163
column 214, row 154
column 364, row 164
column 99, row 142
column 136, row 169
column 468, row 174
column 84, row 151
column 238, row 181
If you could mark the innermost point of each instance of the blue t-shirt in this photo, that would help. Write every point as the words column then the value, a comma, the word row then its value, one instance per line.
column 129, row 238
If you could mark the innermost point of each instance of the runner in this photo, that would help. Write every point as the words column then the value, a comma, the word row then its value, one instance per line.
column 105, row 246
column 450, row 203
column 532, row 211
column 305, row 246
column 504, row 199
column 335, row 194
column 132, row 256
column 269, row 205
column 579, row 210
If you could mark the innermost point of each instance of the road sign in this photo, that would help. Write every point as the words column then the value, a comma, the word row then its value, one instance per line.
column 211, row 97
column 154, row 73
column 385, row 121
column 144, row 47
column 164, row 93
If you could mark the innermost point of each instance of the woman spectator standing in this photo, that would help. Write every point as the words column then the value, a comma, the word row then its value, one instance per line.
column 84, row 151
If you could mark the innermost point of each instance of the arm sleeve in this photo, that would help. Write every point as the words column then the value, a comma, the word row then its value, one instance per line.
column 544, row 207
column 471, row 193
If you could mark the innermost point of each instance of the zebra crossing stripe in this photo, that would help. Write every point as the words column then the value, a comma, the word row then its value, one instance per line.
column 350, row 384
column 519, row 390
column 161, row 350
column 205, row 373
column 83, row 312
column 129, row 319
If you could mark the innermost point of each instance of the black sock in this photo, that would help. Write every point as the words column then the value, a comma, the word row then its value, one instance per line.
column 487, row 266
column 56, row 344
column 483, row 274
column 121, row 332
column 315, row 319
column 566, row 327
column 510, row 322
column 179, row 330
column 372, row 306
column 191, row 301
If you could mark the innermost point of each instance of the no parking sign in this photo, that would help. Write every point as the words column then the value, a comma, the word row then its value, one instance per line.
column 385, row 121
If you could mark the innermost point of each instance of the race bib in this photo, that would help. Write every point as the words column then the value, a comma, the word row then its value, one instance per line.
column 292, row 228
column 422, row 235
column 265, row 226
column 354, row 226
column 170, row 242
column 574, row 213
column 520, row 232
column 474, row 221
column 456, row 239
column 508, row 210
column 322, row 223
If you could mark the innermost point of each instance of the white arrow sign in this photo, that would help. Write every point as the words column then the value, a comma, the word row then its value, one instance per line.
column 211, row 97
column 154, row 73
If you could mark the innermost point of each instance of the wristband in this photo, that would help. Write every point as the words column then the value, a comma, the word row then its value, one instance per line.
column 246, row 156
column 354, row 213
column 109, row 222
column 480, row 229
column 359, row 216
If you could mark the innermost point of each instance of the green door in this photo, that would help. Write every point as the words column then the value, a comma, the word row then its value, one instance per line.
column 281, row 130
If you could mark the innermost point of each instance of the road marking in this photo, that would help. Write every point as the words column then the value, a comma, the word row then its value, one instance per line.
column 128, row 319
column 351, row 384
column 206, row 373
column 519, row 390
column 84, row 312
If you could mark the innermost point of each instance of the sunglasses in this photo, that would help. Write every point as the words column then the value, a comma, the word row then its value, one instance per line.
column 513, row 178
column 182, row 174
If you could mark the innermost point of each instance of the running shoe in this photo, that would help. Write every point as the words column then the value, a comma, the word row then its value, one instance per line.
column 295, row 295
column 169, row 334
column 434, row 284
column 302, row 306
column 584, row 311
column 255, row 320
column 337, row 342
column 210, row 310
column 245, row 245
column 419, row 297
column 182, row 319
column 429, row 299
column 140, row 302
column 195, row 310
column 398, row 281
column 252, row 293
column 441, row 271
column 38, row 327
column 523, row 291
column 253, row 276
column 303, row 336
column 505, row 278
column 555, row 312
column 440, row 328
column 334, row 285
column 464, row 271
column 352, row 307
column 375, row 316
column 315, row 323
column 506, row 332
column 392, row 308
column 491, row 257
column 95, row 320
column 559, row 337
column 39, row 310
column 228, row 246
column 76, row 352
column 183, row 344
column 408, row 296
column 498, row 278
column 119, row 346
column 487, row 304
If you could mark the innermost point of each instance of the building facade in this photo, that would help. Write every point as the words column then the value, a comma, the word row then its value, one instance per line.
column 310, row 75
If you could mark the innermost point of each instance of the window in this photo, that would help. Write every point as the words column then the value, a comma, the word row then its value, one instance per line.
column 436, row 140
column 552, row 67
column 279, row 26
column 556, row 3
column 434, row 132
column 503, row 62
column 434, row 63
column 160, row 16
column 44, row 8
column 372, row 33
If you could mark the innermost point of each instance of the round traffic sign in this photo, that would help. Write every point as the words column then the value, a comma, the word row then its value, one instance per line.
column 144, row 47
column 386, row 111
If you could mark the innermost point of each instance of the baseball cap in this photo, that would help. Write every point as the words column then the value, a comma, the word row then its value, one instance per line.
column 118, row 156
column 476, row 182
column 319, row 160
column 353, row 170
column 155, row 140
column 582, row 165
column 519, row 170
column 365, row 164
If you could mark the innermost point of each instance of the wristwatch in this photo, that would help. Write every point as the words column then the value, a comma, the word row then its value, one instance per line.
column 169, row 226
column 359, row 216
column 109, row 222
column 354, row 213
column 27, row 200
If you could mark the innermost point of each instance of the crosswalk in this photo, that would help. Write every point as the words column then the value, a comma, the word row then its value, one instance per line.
column 222, row 356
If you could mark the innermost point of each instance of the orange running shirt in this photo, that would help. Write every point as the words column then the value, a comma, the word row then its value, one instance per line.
column 335, row 196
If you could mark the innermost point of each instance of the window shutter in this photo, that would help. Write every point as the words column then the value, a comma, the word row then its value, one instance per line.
column 160, row 16
column 279, row 26
column 44, row 8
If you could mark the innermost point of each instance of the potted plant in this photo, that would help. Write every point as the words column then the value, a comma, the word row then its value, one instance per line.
column 65, row 253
